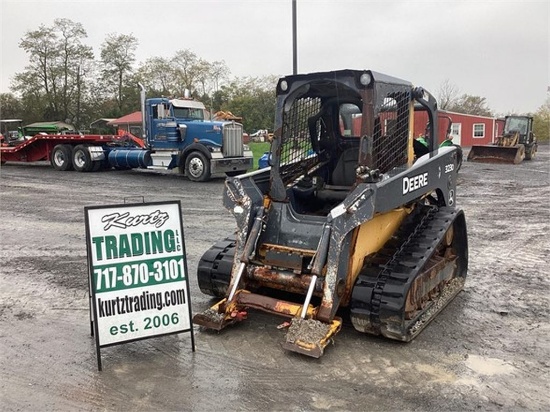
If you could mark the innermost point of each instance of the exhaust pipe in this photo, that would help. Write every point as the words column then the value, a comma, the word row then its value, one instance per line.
column 142, row 101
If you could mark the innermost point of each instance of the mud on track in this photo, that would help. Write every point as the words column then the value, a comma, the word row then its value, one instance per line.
column 487, row 350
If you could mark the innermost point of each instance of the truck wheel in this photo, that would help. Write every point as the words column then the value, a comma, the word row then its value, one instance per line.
column 62, row 157
column 82, row 161
column 197, row 167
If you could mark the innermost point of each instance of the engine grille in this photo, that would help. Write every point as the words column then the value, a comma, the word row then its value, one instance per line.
column 232, row 140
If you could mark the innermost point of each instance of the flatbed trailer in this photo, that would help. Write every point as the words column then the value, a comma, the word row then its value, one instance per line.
column 83, row 152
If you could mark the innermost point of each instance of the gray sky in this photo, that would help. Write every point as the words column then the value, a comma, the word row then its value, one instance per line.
column 495, row 49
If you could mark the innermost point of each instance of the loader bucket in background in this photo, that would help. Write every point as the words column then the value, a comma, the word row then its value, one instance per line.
column 497, row 154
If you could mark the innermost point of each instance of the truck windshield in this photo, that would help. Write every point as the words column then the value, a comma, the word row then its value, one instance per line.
column 514, row 124
column 188, row 113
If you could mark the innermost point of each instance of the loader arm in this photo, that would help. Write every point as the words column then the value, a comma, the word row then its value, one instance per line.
column 435, row 172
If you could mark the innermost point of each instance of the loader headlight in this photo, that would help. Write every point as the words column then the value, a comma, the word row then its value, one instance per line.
column 365, row 79
column 284, row 86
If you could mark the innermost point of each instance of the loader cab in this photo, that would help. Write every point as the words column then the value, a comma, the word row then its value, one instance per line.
column 519, row 124
column 335, row 131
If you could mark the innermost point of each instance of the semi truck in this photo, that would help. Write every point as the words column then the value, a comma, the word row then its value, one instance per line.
column 176, row 135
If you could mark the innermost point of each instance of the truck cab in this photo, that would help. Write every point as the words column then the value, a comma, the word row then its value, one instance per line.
column 178, row 135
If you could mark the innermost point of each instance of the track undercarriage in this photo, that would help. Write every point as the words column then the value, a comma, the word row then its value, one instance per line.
column 413, row 277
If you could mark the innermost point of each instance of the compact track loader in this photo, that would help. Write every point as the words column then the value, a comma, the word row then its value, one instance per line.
column 516, row 143
column 347, row 221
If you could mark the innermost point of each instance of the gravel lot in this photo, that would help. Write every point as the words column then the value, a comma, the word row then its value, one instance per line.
column 488, row 350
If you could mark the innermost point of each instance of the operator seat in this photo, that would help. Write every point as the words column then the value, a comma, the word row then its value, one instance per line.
column 344, row 172
column 343, row 177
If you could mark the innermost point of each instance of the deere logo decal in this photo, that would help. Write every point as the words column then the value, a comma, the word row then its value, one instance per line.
column 410, row 184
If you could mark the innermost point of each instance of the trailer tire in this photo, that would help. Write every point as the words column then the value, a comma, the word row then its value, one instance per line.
column 197, row 167
column 62, row 157
column 82, row 161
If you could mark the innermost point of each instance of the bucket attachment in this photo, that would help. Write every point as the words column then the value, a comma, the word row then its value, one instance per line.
column 497, row 154
column 217, row 318
column 310, row 336
column 305, row 335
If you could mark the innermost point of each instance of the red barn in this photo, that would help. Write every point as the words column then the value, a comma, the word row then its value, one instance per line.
column 466, row 129
column 129, row 123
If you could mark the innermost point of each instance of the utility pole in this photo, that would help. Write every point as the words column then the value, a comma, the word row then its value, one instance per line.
column 294, row 41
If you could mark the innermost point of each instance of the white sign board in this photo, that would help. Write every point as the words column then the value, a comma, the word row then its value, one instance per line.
column 138, row 272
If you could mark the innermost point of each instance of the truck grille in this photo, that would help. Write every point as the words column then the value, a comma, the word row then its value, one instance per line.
column 232, row 140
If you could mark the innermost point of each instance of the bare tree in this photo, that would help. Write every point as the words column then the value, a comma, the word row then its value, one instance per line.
column 447, row 95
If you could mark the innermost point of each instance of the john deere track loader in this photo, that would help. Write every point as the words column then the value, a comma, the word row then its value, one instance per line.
column 516, row 143
column 347, row 216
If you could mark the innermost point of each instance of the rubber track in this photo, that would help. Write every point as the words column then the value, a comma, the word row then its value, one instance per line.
column 215, row 266
column 381, row 287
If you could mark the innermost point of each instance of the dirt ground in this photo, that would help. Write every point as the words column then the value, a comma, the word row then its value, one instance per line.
column 488, row 350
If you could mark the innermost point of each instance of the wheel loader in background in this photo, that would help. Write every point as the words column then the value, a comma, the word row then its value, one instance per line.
column 516, row 143
column 347, row 221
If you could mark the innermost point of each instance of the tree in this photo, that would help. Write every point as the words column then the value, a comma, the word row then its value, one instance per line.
column 40, row 76
column 447, row 95
column 251, row 98
column 218, row 72
column 117, row 58
column 11, row 106
column 74, row 60
column 469, row 104
column 55, row 77
column 186, row 67
column 157, row 75
column 541, row 122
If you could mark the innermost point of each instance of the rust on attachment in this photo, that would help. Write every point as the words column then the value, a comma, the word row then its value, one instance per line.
column 286, row 281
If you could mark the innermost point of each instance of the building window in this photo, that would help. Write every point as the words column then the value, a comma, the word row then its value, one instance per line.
column 479, row 131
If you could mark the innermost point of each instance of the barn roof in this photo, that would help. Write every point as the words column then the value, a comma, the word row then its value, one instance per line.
column 132, row 118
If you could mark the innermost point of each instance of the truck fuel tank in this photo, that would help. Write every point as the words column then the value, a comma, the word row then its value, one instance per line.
column 129, row 158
